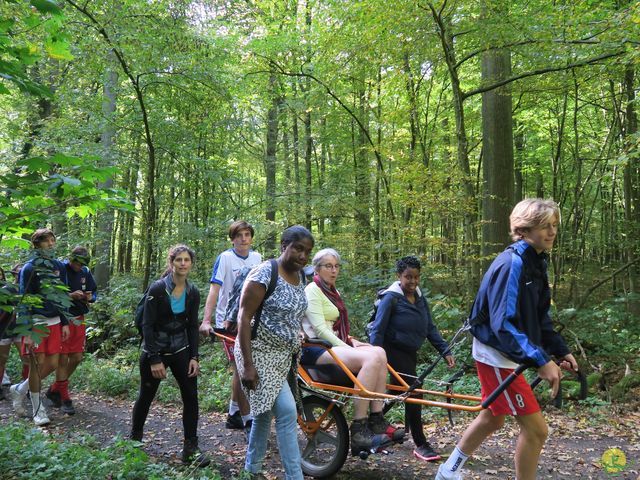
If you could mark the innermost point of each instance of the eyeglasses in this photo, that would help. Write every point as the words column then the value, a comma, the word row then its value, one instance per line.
column 330, row 266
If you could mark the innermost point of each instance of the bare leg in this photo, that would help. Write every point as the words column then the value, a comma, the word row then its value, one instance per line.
column 237, row 395
column 368, row 368
column 533, row 434
column 4, row 356
column 41, row 366
column 482, row 427
column 67, row 364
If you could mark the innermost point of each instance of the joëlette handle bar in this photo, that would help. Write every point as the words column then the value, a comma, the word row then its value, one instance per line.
column 503, row 386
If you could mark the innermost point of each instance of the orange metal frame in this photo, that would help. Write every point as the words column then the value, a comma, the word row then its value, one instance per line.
column 359, row 390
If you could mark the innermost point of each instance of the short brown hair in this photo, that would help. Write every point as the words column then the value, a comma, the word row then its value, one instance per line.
column 41, row 235
column 236, row 227
column 530, row 213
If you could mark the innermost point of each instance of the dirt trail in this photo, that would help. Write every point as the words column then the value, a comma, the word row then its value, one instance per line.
column 574, row 450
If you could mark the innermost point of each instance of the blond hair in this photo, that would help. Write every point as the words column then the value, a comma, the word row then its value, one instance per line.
column 530, row 213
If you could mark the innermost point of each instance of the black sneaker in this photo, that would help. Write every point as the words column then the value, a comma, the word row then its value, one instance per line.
column 54, row 398
column 234, row 422
column 427, row 453
column 67, row 407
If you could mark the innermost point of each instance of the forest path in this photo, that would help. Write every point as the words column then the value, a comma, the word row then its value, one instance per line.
column 574, row 450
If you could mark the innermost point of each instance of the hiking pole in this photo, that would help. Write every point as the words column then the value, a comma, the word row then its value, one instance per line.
column 418, row 381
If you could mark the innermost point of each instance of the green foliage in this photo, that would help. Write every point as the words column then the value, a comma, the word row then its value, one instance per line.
column 116, row 376
column 27, row 453
column 608, row 331
column 110, row 325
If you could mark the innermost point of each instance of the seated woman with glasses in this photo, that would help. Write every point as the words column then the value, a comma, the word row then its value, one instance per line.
column 327, row 315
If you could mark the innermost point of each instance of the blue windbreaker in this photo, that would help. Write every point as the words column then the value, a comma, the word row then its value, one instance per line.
column 511, row 309
column 403, row 324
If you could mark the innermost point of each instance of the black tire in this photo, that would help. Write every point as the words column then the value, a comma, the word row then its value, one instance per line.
column 324, row 452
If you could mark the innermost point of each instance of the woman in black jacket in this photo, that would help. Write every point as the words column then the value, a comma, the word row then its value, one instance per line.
column 170, row 340
column 402, row 324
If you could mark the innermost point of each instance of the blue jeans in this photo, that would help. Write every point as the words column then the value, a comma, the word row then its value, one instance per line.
column 286, row 415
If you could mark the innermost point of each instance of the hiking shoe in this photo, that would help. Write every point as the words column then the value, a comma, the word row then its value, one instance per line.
column 54, row 398
column 17, row 399
column 379, row 425
column 442, row 474
column 426, row 452
column 191, row 453
column 41, row 418
column 234, row 422
column 364, row 440
column 67, row 407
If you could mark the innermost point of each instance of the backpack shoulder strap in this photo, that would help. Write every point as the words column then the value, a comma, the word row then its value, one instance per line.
column 273, row 280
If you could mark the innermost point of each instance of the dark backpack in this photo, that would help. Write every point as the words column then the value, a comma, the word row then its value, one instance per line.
column 233, row 306
column 139, row 311
column 376, row 303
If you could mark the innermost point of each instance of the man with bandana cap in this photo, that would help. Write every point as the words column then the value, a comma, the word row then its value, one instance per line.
column 82, row 288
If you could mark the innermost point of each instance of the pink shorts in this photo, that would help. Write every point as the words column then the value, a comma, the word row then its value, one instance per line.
column 77, row 336
column 51, row 344
column 517, row 399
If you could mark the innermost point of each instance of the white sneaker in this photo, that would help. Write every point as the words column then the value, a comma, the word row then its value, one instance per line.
column 41, row 418
column 18, row 400
column 5, row 379
column 442, row 475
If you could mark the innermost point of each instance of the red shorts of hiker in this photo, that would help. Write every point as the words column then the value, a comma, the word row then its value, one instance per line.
column 77, row 336
column 49, row 345
column 228, row 349
column 517, row 399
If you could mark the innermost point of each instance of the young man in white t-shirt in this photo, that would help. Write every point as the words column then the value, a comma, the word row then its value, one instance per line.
column 225, row 270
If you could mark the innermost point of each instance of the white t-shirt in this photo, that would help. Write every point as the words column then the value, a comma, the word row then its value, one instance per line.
column 225, row 270
column 490, row 356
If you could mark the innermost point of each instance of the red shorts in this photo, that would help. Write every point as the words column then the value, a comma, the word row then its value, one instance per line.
column 50, row 340
column 77, row 336
column 228, row 349
column 517, row 399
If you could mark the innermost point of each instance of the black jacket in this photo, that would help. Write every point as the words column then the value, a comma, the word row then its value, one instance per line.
column 162, row 330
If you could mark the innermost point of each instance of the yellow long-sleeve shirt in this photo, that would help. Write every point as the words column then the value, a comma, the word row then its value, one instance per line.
column 322, row 314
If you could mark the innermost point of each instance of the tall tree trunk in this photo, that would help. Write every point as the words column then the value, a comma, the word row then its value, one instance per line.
column 470, row 242
column 105, row 218
column 270, row 161
column 632, row 189
column 497, row 153
column 362, row 185
column 519, row 144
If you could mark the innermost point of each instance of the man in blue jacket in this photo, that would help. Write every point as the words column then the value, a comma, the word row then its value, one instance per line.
column 42, row 275
column 511, row 325
column 82, row 292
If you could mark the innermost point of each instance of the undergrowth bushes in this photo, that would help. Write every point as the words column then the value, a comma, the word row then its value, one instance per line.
column 27, row 453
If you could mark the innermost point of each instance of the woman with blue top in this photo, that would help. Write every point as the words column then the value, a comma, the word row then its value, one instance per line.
column 402, row 324
column 170, row 340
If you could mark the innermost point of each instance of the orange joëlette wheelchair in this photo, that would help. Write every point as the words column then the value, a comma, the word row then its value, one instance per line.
column 324, row 432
